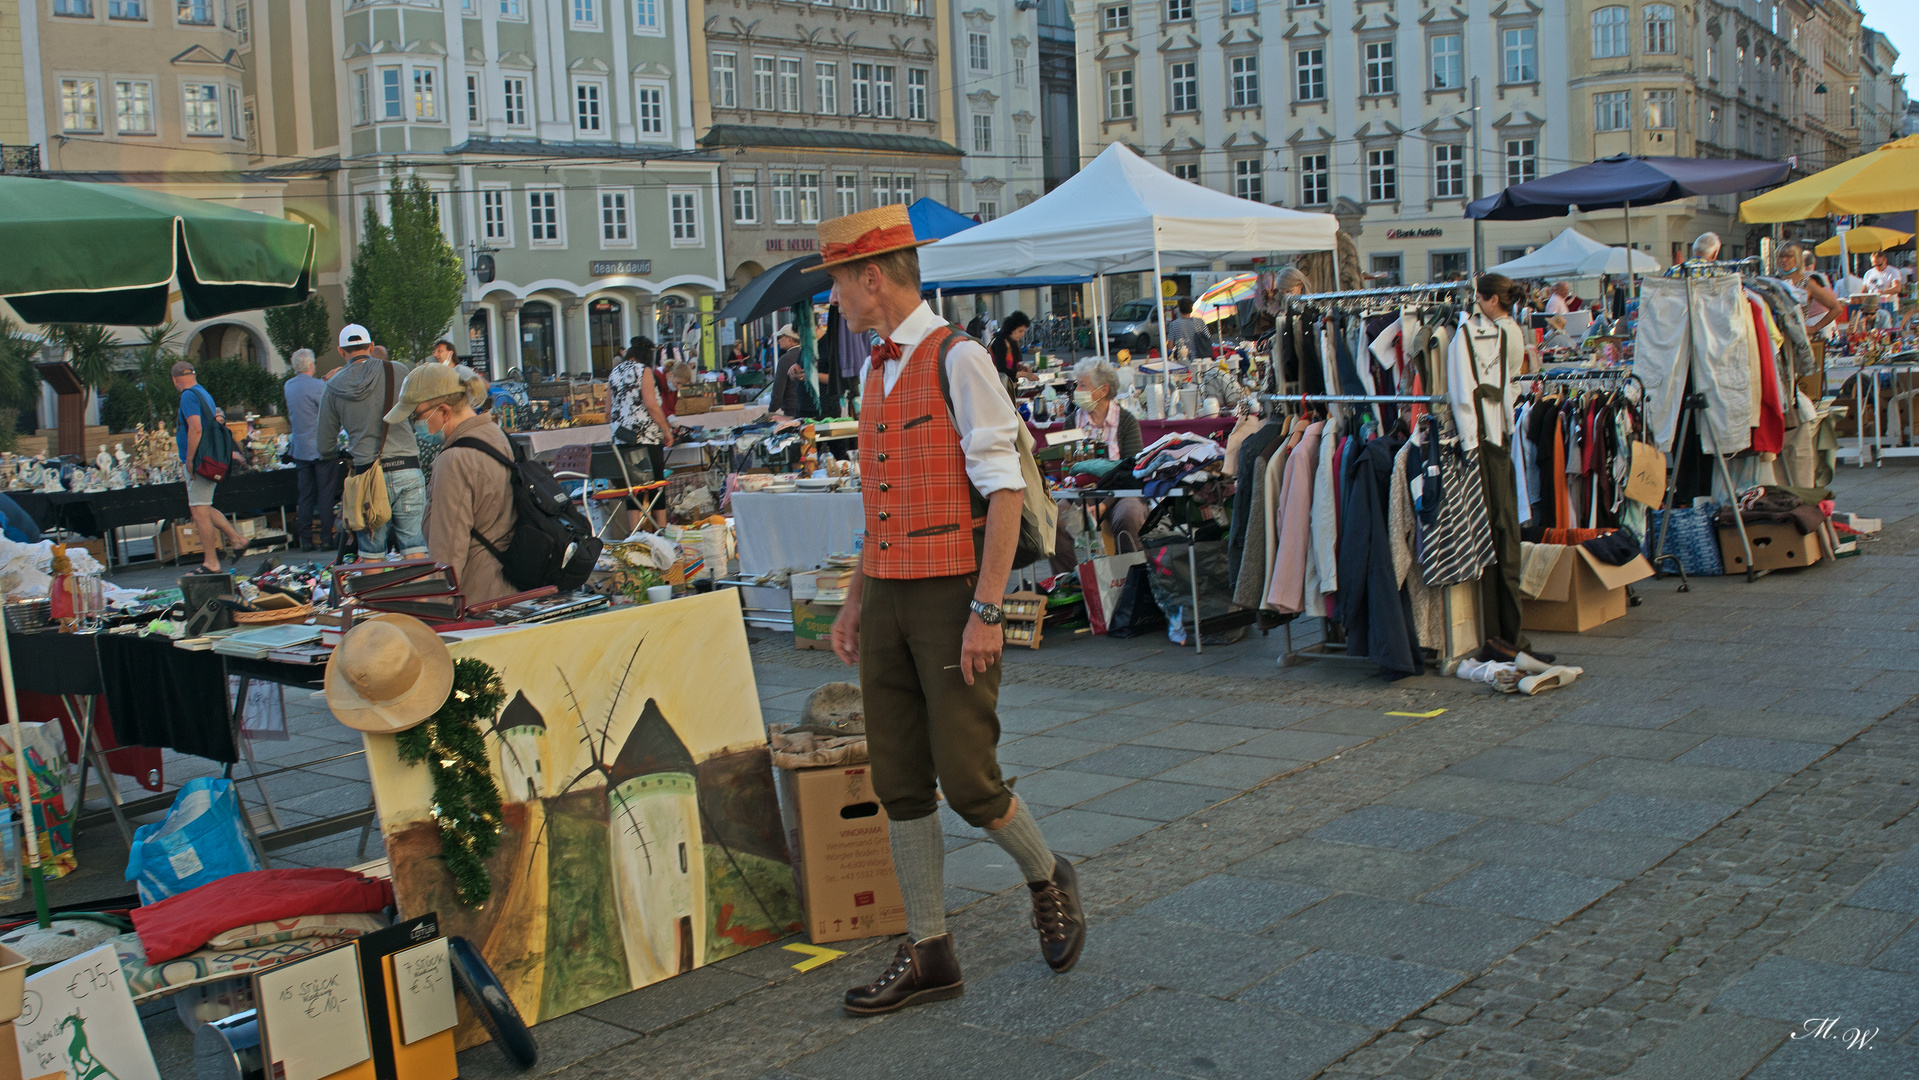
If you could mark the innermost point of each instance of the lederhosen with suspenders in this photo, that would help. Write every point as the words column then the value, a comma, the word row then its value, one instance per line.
column 1499, row 584
column 1483, row 393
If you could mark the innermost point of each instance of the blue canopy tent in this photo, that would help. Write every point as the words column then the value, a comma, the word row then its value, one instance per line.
column 1622, row 182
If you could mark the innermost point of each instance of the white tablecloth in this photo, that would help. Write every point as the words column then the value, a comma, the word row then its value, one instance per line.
column 798, row 529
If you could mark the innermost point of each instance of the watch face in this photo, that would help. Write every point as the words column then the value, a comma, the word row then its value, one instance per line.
column 988, row 613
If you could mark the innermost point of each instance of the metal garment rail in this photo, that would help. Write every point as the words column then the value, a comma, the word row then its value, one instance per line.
column 1321, row 651
column 1389, row 290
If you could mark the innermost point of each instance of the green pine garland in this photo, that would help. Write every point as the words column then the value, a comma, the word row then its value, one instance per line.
column 465, row 799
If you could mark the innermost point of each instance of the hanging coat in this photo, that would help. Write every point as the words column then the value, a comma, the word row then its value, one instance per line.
column 1376, row 611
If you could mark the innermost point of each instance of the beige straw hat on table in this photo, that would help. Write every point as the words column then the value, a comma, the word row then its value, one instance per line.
column 388, row 673
column 866, row 234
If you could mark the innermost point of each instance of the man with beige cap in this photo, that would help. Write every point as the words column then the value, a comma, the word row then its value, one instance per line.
column 471, row 494
column 942, row 486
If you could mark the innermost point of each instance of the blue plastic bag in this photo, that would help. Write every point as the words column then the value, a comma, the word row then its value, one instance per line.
column 201, row 840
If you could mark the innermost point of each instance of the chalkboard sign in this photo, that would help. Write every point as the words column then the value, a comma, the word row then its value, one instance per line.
column 314, row 1015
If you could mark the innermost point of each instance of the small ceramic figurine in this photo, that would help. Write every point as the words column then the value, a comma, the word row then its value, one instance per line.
column 103, row 460
column 120, row 454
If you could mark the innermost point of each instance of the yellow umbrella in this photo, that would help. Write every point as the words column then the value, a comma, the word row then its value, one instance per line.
column 1884, row 181
column 1866, row 238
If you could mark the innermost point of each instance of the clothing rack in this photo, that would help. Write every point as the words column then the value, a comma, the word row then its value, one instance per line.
column 1388, row 290
column 1357, row 399
column 1694, row 267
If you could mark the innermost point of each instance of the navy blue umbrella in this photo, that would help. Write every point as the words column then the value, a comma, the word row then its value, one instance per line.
column 1623, row 181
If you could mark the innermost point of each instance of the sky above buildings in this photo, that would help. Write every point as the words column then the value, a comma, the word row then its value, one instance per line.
column 1899, row 21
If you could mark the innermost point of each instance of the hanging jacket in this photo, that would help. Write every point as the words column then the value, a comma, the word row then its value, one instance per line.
column 1377, row 613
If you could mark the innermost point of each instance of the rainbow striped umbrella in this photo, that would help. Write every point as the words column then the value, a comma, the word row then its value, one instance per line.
column 1233, row 290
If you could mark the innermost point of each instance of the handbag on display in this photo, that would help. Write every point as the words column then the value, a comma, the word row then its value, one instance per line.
column 1135, row 612
column 1692, row 538
column 1102, row 579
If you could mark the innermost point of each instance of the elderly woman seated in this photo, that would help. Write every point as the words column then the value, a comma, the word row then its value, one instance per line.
column 1114, row 432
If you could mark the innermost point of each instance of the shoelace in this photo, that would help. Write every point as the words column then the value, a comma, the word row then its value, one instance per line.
column 1049, row 913
column 902, row 963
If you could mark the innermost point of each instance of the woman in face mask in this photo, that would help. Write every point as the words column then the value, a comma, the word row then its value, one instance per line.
column 471, row 492
column 1116, row 431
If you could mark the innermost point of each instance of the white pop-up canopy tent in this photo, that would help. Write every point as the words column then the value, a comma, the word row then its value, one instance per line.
column 1558, row 257
column 1122, row 214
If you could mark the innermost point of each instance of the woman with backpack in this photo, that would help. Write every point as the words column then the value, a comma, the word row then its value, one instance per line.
column 470, row 498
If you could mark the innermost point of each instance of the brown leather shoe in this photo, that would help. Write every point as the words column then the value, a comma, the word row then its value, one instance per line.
column 921, row 971
column 1057, row 917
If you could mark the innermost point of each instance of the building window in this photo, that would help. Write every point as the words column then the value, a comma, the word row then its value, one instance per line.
column 1119, row 94
column 78, row 9
column 510, row 9
column 883, row 90
column 586, row 108
column 202, row 112
column 1712, row 62
column 683, row 207
column 1185, row 78
column 1659, row 110
column 982, row 133
column 826, row 88
column 1448, row 66
column 614, row 228
column 763, row 82
column 977, row 52
column 862, row 89
column 1249, row 179
column 1315, row 180
column 543, row 217
column 1388, row 270
column 726, row 81
column 493, row 220
column 1379, row 68
column 746, row 199
column 916, row 79
column 1659, row 28
column 986, row 209
column 809, row 198
column 1448, row 265
column 392, row 105
column 472, row 99
column 789, row 85
column 1522, row 55
column 1117, row 17
column 515, row 100
column 1245, row 73
column 846, row 193
column 1022, row 148
column 132, row 107
column 903, row 192
column 361, row 106
column 784, row 211
column 1187, row 170
column 124, row 9
column 1522, row 161
column 1179, row 10
column 649, row 107
column 1610, row 111
column 586, row 15
column 1382, row 175
column 243, row 23
column 196, row 12
column 882, row 189
column 1309, row 71
column 235, row 130
column 79, row 105
column 1449, row 172
column 1241, row 7
column 1852, row 106
column 1019, row 71
column 646, row 16
column 1609, row 32
column 426, row 98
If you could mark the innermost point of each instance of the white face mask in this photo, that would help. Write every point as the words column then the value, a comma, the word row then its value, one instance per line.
column 1083, row 398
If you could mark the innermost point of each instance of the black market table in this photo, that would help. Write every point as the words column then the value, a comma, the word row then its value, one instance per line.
column 99, row 513
column 69, row 666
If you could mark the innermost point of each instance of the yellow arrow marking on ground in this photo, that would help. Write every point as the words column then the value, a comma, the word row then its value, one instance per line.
column 1420, row 715
column 815, row 956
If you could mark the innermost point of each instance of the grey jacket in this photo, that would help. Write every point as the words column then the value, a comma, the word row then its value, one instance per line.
column 354, row 402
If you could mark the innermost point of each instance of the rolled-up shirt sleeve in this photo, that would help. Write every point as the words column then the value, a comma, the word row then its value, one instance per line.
column 987, row 422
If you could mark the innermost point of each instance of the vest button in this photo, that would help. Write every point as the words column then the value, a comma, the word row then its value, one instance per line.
column 884, row 515
column 882, row 457
column 886, row 487
column 884, row 545
column 882, row 427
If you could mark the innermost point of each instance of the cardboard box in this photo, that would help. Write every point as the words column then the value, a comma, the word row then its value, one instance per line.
column 813, row 624
column 693, row 404
column 177, row 543
column 1774, row 547
column 1581, row 592
column 804, row 584
column 842, row 858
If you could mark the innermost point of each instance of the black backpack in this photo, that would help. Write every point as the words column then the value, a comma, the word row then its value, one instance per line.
column 552, row 542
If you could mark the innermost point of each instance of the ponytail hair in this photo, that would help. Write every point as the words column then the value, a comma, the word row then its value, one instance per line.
column 1501, row 288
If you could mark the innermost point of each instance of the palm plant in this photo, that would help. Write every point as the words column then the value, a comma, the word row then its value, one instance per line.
column 91, row 349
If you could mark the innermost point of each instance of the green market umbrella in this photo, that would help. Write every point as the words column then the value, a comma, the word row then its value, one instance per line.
column 109, row 253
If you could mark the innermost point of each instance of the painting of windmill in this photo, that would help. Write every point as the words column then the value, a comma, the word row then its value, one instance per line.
column 642, row 837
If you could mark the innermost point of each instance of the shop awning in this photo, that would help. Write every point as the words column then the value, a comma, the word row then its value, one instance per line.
column 1884, row 181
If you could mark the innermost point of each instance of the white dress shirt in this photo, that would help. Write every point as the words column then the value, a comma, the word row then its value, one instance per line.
column 981, row 412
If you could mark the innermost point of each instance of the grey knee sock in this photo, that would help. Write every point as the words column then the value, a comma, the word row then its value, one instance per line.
column 919, row 860
column 1021, row 839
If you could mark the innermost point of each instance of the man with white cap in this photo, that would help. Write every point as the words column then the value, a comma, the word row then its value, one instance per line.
column 789, row 379
column 356, row 398
column 470, row 503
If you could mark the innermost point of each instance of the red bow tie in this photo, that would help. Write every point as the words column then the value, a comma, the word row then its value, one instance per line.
column 884, row 351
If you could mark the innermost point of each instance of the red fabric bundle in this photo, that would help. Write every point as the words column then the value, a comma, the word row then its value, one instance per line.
column 180, row 924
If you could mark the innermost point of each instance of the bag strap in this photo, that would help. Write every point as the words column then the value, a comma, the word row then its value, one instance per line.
column 386, row 406
column 472, row 443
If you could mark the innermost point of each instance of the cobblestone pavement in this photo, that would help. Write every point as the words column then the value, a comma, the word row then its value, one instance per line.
column 1665, row 870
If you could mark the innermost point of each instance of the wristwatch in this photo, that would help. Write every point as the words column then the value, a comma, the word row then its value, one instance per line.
column 990, row 614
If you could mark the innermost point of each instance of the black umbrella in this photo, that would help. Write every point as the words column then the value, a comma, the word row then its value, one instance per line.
column 781, row 287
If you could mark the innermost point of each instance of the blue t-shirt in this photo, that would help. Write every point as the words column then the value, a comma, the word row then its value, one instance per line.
column 194, row 397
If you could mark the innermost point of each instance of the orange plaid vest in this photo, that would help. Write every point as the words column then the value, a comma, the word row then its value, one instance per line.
column 918, row 498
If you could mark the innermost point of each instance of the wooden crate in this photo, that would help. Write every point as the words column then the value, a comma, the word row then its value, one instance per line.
column 29, row 445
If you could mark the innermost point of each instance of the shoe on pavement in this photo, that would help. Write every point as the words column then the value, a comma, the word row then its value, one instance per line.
column 1057, row 916
column 921, row 971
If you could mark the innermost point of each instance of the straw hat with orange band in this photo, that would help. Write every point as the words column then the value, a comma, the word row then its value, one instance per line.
column 866, row 234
